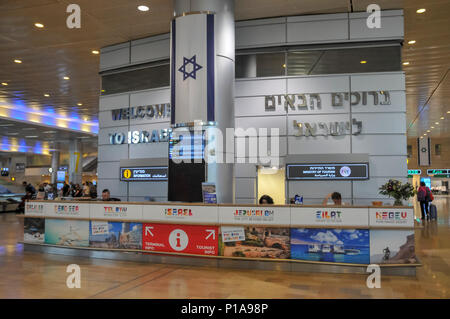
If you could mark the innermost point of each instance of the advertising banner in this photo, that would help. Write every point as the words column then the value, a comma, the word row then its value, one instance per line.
column 389, row 246
column 272, row 215
column 391, row 217
column 188, row 239
column 137, row 174
column 329, row 216
column 180, row 213
column 34, row 230
column 331, row 245
column 115, row 235
column 328, row 171
column 232, row 233
column 259, row 242
column 209, row 193
column 67, row 232
column 74, row 210
column 105, row 210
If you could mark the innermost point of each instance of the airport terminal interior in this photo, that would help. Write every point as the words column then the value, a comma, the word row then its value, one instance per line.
column 224, row 149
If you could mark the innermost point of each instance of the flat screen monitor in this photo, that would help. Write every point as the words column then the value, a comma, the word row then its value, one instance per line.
column 59, row 185
column 427, row 181
column 328, row 171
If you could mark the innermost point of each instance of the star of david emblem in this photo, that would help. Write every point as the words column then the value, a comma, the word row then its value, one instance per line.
column 195, row 67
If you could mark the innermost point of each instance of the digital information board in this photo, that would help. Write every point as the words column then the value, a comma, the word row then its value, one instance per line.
column 144, row 174
column 328, row 171
column 439, row 172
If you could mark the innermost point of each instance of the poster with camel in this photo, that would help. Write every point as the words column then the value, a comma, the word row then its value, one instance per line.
column 260, row 242
column 392, row 246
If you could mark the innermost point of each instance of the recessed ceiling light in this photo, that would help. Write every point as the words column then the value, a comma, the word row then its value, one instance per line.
column 432, row 127
column 437, row 123
column 428, row 131
column 405, row 63
column 38, row 25
column 363, row 62
column 421, row 10
column 4, row 83
column 18, row 61
column 411, row 41
column 79, row 104
column 95, row 52
column 442, row 117
column 143, row 8
column 421, row 137
column 284, row 65
column 425, row 134
column 31, row 136
column 66, row 78
column 46, row 95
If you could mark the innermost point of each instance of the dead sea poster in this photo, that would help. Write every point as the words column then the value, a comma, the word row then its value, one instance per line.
column 331, row 245
column 392, row 246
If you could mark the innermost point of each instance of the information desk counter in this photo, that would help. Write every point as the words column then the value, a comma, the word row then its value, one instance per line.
column 289, row 237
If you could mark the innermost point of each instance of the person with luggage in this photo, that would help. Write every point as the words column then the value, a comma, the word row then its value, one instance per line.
column 424, row 197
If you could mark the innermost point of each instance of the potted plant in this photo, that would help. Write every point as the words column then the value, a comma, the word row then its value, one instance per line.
column 398, row 191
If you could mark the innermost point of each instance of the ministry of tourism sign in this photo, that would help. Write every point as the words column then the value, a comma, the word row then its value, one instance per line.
column 328, row 171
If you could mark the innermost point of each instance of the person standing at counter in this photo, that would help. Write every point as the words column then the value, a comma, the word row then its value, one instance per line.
column 336, row 197
column 106, row 196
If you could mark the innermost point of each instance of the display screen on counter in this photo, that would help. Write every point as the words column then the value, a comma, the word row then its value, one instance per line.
column 152, row 173
column 328, row 171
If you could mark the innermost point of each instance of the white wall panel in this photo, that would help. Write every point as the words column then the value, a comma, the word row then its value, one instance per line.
column 319, row 144
column 318, row 84
column 115, row 56
column 382, row 123
column 387, row 166
column 145, row 199
column 245, row 200
column 152, row 189
column 391, row 26
column 150, row 49
column 154, row 96
column 379, row 144
column 242, row 148
column 245, row 170
column 325, row 105
column 255, row 106
column 393, row 81
column 112, row 102
column 312, row 31
column 245, row 187
column 261, row 87
column 262, row 122
column 149, row 150
column 108, row 169
column 253, row 36
column 103, row 134
column 110, row 153
column 314, row 119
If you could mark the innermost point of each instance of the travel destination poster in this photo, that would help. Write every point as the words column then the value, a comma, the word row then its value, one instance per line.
column 259, row 242
column 34, row 230
column 116, row 211
column 188, row 239
column 255, row 215
column 392, row 246
column 329, row 216
column 331, row 245
column 67, row 232
column 392, row 217
column 174, row 212
column 69, row 209
column 121, row 235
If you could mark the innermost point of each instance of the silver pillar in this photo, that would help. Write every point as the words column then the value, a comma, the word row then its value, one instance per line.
column 55, row 166
column 221, row 173
column 75, row 161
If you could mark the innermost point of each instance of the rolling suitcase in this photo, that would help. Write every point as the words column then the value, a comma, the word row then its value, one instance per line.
column 433, row 211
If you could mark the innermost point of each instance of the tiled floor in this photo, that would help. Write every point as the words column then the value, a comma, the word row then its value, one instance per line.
column 36, row 275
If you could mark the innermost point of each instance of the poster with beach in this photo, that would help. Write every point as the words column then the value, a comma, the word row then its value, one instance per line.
column 392, row 246
column 67, row 232
column 331, row 245
column 260, row 242
column 121, row 235
column 34, row 230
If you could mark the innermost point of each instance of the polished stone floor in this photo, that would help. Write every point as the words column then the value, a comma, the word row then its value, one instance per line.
column 36, row 275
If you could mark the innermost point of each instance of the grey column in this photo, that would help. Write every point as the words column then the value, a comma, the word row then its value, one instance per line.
column 222, row 173
column 55, row 166
column 75, row 161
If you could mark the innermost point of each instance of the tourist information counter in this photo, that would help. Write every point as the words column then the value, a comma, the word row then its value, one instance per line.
column 288, row 238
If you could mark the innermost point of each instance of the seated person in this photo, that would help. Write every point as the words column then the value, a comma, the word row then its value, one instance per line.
column 336, row 197
column 106, row 196
column 266, row 199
